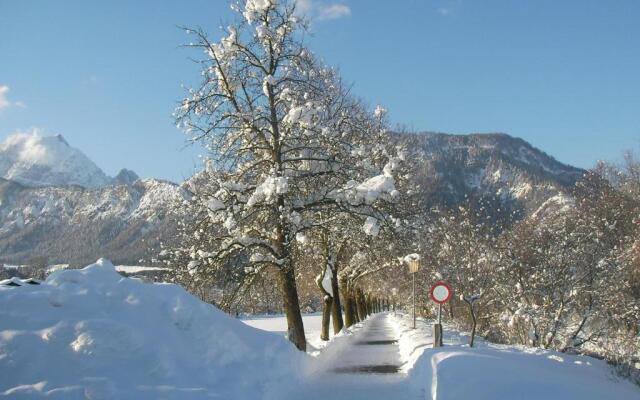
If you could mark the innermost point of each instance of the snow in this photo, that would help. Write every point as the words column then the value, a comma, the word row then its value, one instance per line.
column 555, row 205
column 302, row 115
column 379, row 111
column 278, row 324
column 254, row 7
column 268, row 80
column 92, row 333
column 411, row 257
column 374, row 188
column 268, row 190
column 13, row 281
column 135, row 269
column 326, row 281
column 370, row 190
column 371, row 227
column 215, row 205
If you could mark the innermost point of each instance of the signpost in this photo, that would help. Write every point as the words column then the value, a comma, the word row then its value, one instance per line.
column 413, row 260
column 440, row 293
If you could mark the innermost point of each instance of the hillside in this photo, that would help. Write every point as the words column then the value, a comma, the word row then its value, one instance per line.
column 74, row 224
column 499, row 169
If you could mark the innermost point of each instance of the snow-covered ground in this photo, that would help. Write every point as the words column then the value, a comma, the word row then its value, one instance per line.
column 93, row 334
column 278, row 324
column 491, row 371
column 486, row 372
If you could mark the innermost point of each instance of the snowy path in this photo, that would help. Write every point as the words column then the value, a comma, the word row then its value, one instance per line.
column 373, row 349
column 365, row 364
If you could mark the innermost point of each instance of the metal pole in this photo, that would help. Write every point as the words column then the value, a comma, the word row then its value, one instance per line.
column 414, row 300
column 437, row 329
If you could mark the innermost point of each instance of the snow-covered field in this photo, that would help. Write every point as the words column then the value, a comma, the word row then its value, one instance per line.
column 93, row 334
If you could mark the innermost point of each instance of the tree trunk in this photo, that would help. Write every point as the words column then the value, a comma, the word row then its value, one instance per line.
column 354, row 308
column 327, row 301
column 474, row 322
column 360, row 306
column 326, row 314
column 292, row 308
column 349, row 318
column 367, row 305
column 336, row 306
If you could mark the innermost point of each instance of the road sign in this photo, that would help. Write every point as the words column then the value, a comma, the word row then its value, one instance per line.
column 440, row 292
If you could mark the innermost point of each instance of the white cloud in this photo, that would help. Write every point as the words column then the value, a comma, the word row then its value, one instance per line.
column 4, row 101
column 334, row 11
column 27, row 145
column 322, row 10
column 304, row 7
column 444, row 11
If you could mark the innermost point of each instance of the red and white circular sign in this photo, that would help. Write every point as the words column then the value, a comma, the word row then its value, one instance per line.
column 440, row 292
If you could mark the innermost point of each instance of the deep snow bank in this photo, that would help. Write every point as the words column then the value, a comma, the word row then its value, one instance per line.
column 491, row 371
column 91, row 333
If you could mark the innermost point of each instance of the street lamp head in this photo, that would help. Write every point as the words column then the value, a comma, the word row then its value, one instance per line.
column 413, row 261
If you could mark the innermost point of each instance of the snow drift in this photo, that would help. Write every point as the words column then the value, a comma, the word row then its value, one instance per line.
column 492, row 371
column 93, row 334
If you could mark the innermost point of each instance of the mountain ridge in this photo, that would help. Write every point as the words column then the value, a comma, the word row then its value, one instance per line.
column 129, row 218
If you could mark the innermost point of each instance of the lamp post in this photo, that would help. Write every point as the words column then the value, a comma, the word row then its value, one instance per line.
column 413, row 260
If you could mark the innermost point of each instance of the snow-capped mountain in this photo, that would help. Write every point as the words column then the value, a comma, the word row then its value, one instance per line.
column 34, row 160
column 56, row 203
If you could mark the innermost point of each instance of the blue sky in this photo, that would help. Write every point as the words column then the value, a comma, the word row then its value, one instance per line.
column 563, row 75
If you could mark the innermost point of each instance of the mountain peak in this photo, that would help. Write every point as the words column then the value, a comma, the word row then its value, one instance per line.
column 62, row 139
column 125, row 177
column 35, row 160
